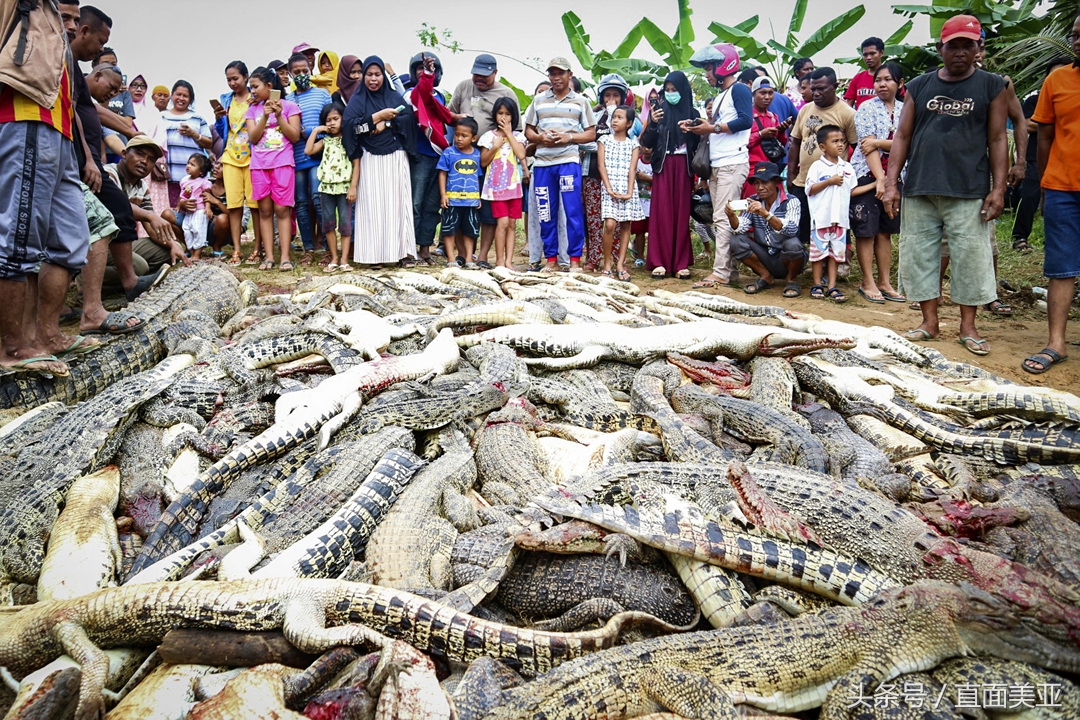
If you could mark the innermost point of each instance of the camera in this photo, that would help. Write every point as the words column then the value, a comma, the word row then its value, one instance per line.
column 739, row 205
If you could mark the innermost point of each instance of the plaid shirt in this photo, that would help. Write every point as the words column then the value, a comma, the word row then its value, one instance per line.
column 786, row 208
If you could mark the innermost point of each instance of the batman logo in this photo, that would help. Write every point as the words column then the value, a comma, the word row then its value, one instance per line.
column 466, row 167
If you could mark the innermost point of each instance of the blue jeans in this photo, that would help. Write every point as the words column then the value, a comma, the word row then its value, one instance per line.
column 556, row 186
column 307, row 194
column 425, row 198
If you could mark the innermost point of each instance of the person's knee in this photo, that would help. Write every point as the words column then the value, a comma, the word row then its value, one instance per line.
column 739, row 247
column 792, row 250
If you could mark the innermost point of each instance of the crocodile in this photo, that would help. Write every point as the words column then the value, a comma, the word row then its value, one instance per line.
column 683, row 529
column 206, row 287
column 83, row 440
column 866, row 525
column 850, row 394
column 327, row 550
column 862, row 459
column 410, row 549
column 815, row 660
column 507, row 312
column 718, row 303
column 242, row 360
column 435, row 410
column 314, row 614
column 567, row 346
column 790, row 441
column 875, row 337
column 300, row 416
column 293, row 496
column 576, row 405
column 681, row 442
column 774, row 385
column 1057, row 696
column 542, row 585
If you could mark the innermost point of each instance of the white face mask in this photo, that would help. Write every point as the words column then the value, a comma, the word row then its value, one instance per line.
column 611, row 108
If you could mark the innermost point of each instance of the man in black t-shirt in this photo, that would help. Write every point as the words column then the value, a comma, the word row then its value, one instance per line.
column 952, row 138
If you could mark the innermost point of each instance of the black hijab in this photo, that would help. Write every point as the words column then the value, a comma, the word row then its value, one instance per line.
column 365, row 103
column 673, row 114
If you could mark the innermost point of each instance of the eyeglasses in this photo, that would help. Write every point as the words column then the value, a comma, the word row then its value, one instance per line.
column 135, row 86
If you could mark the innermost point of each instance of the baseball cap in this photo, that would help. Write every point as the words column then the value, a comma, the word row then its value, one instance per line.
column 559, row 62
column 146, row 142
column 765, row 171
column 761, row 82
column 961, row 26
column 484, row 65
column 303, row 48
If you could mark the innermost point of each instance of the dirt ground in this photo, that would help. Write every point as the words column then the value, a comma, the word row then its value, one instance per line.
column 1011, row 338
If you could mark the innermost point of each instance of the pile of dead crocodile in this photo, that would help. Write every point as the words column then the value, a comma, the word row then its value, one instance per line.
column 502, row 495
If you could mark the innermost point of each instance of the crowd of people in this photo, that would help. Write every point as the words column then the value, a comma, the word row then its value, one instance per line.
column 120, row 178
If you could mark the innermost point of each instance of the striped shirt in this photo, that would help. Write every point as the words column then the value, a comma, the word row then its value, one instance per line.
column 311, row 103
column 181, row 147
column 572, row 114
column 16, row 107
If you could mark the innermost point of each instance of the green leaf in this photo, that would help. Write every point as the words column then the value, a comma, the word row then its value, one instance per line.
column 743, row 40
column 898, row 37
column 661, row 42
column 684, row 34
column 830, row 31
column 748, row 24
column 578, row 39
column 630, row 42
column 798, row 14
column 524, row 99
column 787, row 54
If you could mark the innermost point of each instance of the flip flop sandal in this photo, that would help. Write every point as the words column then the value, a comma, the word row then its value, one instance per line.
column 625, row 276
column 72, row 314
column 286, row 267
column 975, row 347
column 425, row 261
column 817, row 292
column 1055, row 358
column 484, row 265
column 757, row 287
column 79, row 346
column 606, row 273
column 331, row 267
column 1021, row 245
column 346, row 268
column 23, row 366
column 836, row 295
column 792, row 290
column 266, row 265
column 880, row 300
column 115, row 323
column 146, row 282
column 898, row 298
column 683, row 274
column 918, row 334
column 999, row 308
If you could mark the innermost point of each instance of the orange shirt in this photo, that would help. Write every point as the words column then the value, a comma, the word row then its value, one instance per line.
column 16, row 107
column 1059, row 105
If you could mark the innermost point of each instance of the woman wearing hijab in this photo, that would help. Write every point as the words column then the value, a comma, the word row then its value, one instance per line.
column 350, row 72
column 327, row 67
column 670, row 251
column 375, row 130
column 148, row 122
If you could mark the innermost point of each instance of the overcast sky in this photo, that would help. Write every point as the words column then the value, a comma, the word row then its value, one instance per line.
column 195, row 39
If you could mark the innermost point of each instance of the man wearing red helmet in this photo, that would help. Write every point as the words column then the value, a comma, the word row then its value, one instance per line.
column 728, row 134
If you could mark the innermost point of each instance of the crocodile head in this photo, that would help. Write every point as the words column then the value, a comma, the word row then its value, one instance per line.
column 991, row 625
column 783, row 343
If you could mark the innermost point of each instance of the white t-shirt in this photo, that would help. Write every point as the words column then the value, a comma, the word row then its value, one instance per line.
column 830, row 206
column 727, row 148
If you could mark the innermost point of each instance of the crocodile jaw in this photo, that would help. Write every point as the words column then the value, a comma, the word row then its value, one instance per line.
column 781, row 344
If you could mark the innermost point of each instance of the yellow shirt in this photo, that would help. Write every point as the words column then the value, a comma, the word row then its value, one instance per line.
column 237, row 149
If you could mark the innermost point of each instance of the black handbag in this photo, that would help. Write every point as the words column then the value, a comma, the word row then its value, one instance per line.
column 772, row 148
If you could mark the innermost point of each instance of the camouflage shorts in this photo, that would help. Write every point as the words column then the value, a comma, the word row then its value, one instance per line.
column 98, row 217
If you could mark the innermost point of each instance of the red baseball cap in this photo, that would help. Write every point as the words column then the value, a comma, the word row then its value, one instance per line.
column 961, row 26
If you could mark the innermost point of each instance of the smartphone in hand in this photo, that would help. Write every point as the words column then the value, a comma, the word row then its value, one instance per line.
column 275, row 95
column 216, row 105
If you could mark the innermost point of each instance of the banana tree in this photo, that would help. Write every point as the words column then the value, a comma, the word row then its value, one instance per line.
column 778, row 56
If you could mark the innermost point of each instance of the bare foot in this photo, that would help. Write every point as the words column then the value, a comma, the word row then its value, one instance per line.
column 21, row 360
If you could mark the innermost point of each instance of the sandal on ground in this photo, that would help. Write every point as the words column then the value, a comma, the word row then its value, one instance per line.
column 37, row 365
column 915, row 305
column 484, row 265
column 659, row 272
column 976, row 347
column 236, row 259
column 306, row 259
column 792, row 290
column 817, row 292
column 639, row 262
column 897, row 298
column 605, row 273
column 253, row 258
column 80, row 344
column 625, row 276
column 266, row 265
column 1021, row 245
column 878, row 300
column 287, row 266
column 919, row 334
column 683, row 274
column 425, row 261
column 146, row 282
column 408, row 262
column 331, row 267
column 757, row 286
column 1038, row 359
column 344, row 268
column 836, row 295
column 72, row 314
column 589, row 267
column 116, row 323
column 999, row 308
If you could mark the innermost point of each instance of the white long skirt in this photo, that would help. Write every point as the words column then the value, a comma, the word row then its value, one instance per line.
column 384, row 217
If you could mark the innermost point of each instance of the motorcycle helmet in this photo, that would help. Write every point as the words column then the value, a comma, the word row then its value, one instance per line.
column 417, row 62
column 724, row 56
column 614, row 80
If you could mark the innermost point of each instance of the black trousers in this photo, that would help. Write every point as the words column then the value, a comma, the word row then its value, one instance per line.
column 1030, row 194
column 116, row 201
